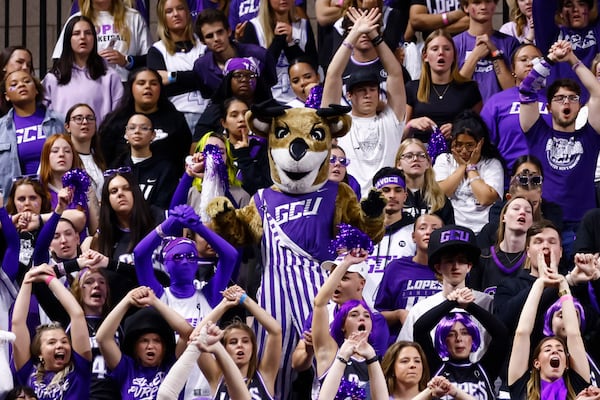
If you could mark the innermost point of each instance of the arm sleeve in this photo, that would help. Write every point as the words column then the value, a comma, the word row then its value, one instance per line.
column 494, row 357
column 546, row 31
column 229, row 260
column 422, row 331
column 186, row 80
column 249, row 34
column 177, row 376
column 41, row 253
column 10, row 262
column 142, row 254
column 181, row 192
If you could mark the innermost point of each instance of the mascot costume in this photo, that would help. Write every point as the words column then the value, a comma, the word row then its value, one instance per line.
column 295, row 219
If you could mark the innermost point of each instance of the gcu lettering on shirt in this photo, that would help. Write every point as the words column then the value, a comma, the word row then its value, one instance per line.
column 516, row 106
column 454, row 234
column 30, row 134
column 54, row 391
column 297, row 209
column 579, row 41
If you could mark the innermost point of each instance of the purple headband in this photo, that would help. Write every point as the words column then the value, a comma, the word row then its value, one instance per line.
column 246, row 63
column 390, row 180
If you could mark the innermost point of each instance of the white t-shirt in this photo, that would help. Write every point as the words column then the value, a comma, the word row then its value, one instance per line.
column 139, row 41
column 370, row 145
column 467, row 211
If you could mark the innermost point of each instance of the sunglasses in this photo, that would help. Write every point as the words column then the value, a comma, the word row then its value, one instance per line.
column 121, row 170
column 191, row 256
column 342, row 160
column 526, row 180
column 30, row 177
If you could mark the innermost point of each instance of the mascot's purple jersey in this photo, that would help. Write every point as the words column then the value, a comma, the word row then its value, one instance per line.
column 297, row 233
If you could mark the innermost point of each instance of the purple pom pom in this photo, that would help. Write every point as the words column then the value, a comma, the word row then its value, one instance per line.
column 314, row 98
column 437, row 144
column 349, row 237
column 79, row 181
column 350, row 391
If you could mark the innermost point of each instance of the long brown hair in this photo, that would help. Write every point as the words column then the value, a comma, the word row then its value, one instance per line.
column 389, row 361
column 253, row 362
column 425, row 79
column 534, row 383
column 37, row 188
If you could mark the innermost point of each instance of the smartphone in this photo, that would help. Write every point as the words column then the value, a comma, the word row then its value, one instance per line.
column 112, row 43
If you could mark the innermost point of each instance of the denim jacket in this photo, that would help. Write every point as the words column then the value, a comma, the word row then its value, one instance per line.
column 9, row 156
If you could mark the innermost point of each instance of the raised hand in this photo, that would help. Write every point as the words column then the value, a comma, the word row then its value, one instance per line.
column 560, row 51
column 92, row 259
column 364, row 21
column 440, row 386
column 465, row 297
column 208, row 337
column 141, row 296
column 38, row 274
column 65, row 196
column 363, row 348
column 232, row 295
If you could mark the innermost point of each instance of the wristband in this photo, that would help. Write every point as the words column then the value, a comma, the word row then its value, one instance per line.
column 172, row 77
column 445, row 19
column 243, row 298
column 563, row 292
column 377, row 40
column 160, row 232
column 342, row 360
column 471, row 167
column 49, row 279
column 129, row 64
column 576, row 65
column 372, row 360
column 565, row 297
column 348, row 45
column 497, row 54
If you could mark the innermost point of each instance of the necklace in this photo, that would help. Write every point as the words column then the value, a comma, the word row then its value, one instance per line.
column 440, row 96
column 513, row 263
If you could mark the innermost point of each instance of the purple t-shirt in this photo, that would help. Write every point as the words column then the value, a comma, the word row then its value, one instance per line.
column 404, row 283
column 569, row 162
column 484, row 73
column 242, row 10
column 137, row 382
column 30, row 140
column 305, row 218
column 501, row 115
column 75, row 386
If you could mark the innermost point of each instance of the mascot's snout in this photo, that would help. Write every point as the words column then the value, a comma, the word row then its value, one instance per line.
column 298, row 149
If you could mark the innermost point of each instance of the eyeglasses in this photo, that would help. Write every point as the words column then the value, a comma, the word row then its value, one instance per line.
column 121, row 170
column 240, row 76
column 468, row 146
column 560, row 98
column 191, row 256
column 30, row 177
column 526, row 180
column 142, row 128
column 78, row 119
column 412, row 156
column 342, row 160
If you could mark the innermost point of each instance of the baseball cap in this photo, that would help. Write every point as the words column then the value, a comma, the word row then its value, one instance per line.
column 363, row 75
column 452, row 238
column 361, row 268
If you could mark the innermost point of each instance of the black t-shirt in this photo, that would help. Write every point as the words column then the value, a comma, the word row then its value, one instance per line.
column 518, row 390
column 455, row 98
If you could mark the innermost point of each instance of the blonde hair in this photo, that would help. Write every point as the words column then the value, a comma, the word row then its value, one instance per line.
column 267, row 20
column 163, row 31
column 117, row 10
column 432, row 193
column 231, row 168
column 425, row 78
column 517, row 16
column 35, row 349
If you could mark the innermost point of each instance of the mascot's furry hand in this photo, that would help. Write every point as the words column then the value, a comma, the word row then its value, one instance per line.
column 220, row 208
column 373, row 205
